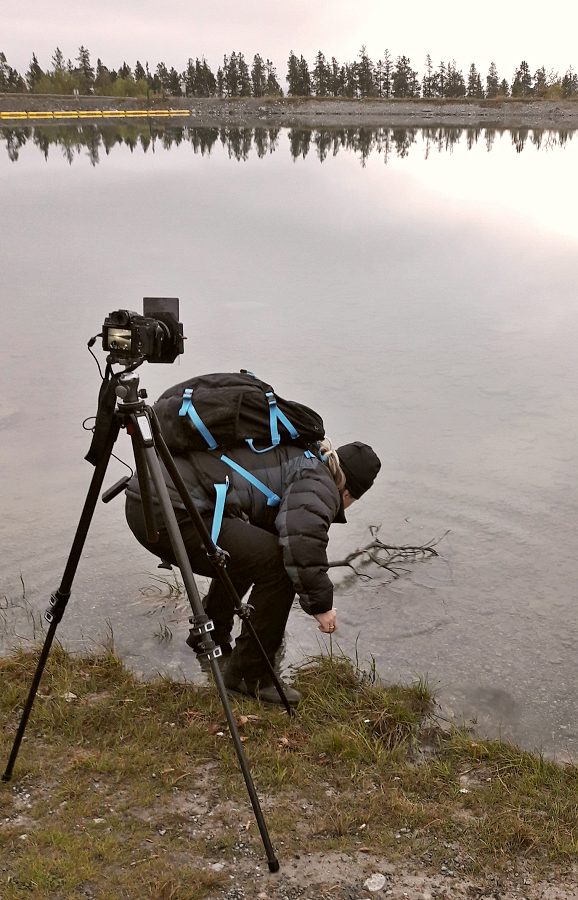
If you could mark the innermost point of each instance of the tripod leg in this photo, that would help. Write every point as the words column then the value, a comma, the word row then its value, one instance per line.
column 200, row 615
column 215, row 555
column 61, row 595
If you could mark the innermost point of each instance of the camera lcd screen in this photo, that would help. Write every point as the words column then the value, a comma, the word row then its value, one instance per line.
column 119, row 339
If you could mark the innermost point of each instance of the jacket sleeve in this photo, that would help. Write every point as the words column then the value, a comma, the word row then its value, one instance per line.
column 307, row 509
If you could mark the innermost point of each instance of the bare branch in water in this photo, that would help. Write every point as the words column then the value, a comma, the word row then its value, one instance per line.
column 386, row 556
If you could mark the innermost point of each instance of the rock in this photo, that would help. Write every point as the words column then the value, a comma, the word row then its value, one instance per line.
column 375, row 882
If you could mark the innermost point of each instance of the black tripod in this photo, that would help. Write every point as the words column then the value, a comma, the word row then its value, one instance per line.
column 121, row 404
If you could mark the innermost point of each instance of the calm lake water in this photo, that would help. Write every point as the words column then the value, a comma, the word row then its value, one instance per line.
column 419, row 289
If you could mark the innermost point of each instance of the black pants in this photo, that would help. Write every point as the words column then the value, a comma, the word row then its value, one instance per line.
column 255, row 559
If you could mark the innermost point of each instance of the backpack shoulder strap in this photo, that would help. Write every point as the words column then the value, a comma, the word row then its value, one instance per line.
column 275, row 416
column 187, row 409
column 221, row 489
column 272, row 498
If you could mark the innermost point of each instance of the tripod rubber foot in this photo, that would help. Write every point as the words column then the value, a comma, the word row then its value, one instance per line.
column 273, row 865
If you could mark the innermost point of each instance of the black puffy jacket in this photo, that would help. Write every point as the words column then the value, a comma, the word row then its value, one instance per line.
column 309, row 503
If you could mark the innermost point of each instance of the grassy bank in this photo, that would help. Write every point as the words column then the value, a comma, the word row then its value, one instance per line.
column 132, row 789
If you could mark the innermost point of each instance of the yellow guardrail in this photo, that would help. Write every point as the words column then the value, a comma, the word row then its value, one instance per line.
column 95, row 114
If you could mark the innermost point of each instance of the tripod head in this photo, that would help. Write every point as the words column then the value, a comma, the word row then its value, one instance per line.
column 130, row 398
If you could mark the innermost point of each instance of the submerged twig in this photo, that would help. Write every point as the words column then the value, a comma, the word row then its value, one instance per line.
column 386, row 556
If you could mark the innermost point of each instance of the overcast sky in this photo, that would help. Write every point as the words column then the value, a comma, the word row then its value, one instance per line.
column 503, row 31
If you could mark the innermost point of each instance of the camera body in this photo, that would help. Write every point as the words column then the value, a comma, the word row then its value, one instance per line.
column 155, row 336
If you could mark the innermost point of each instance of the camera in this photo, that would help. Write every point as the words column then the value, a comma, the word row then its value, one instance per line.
column 155, row 336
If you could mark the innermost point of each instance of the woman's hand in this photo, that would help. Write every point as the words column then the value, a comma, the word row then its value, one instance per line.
column 327, row 621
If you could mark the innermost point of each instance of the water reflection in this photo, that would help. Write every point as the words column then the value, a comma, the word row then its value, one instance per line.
column 240, row 143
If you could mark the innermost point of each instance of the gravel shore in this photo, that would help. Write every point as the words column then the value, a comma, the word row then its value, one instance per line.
column 293, row 112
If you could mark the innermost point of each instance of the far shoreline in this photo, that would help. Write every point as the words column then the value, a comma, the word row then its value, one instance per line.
column 304, row 112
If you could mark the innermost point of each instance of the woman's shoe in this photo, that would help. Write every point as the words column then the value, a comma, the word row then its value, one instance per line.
column 267, row 693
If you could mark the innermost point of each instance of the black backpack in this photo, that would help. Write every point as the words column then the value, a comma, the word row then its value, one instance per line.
column 226, row 410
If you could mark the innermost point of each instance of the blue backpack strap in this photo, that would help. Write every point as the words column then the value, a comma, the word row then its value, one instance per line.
column 272, row 498
column 275, row 416
column 221, row 491
column 187, row 409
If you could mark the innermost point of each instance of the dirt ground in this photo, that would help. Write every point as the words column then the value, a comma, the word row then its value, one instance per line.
column 341, row 877
column 330, row 112
column 336, row 875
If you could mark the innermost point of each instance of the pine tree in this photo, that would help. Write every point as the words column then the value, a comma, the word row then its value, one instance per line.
column 428, row 84
column 231, row 75
column 335, row 86
column 58, row 65
column 379, row 78
column 244, row 76
column 174, row 83
column 161, row 79
column 541, row 83
column 149, row 79
column 569, row 84
column 190, row 79
column 440, row 80
column 474, row 88
column 492, row 82
column 293, row 74
column 321, row 76
column 102, row 78
column 404, row 81
column 4, row 71
column 34, row 73
column 305, row 78
column 220, row 82
column 387, row 75
column 139, row 72
column 85, row 71
column 16, row 82
column 522, row 82
column 273, row 87
column 350, row 83
column 365, row 75
column 258, row 76
column 209, row 82
column 455, row 84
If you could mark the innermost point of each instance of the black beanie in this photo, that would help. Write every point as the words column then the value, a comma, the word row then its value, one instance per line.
column 360, row 466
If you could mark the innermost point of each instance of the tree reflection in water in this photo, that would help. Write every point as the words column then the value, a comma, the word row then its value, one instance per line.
column 97, row 140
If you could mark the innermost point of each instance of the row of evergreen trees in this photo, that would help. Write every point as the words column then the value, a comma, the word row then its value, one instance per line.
column 236, row 78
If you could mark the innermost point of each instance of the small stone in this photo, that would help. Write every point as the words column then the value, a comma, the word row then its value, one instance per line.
column 375, row 882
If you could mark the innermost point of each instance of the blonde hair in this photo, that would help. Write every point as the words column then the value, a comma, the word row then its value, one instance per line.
column 331, row 459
